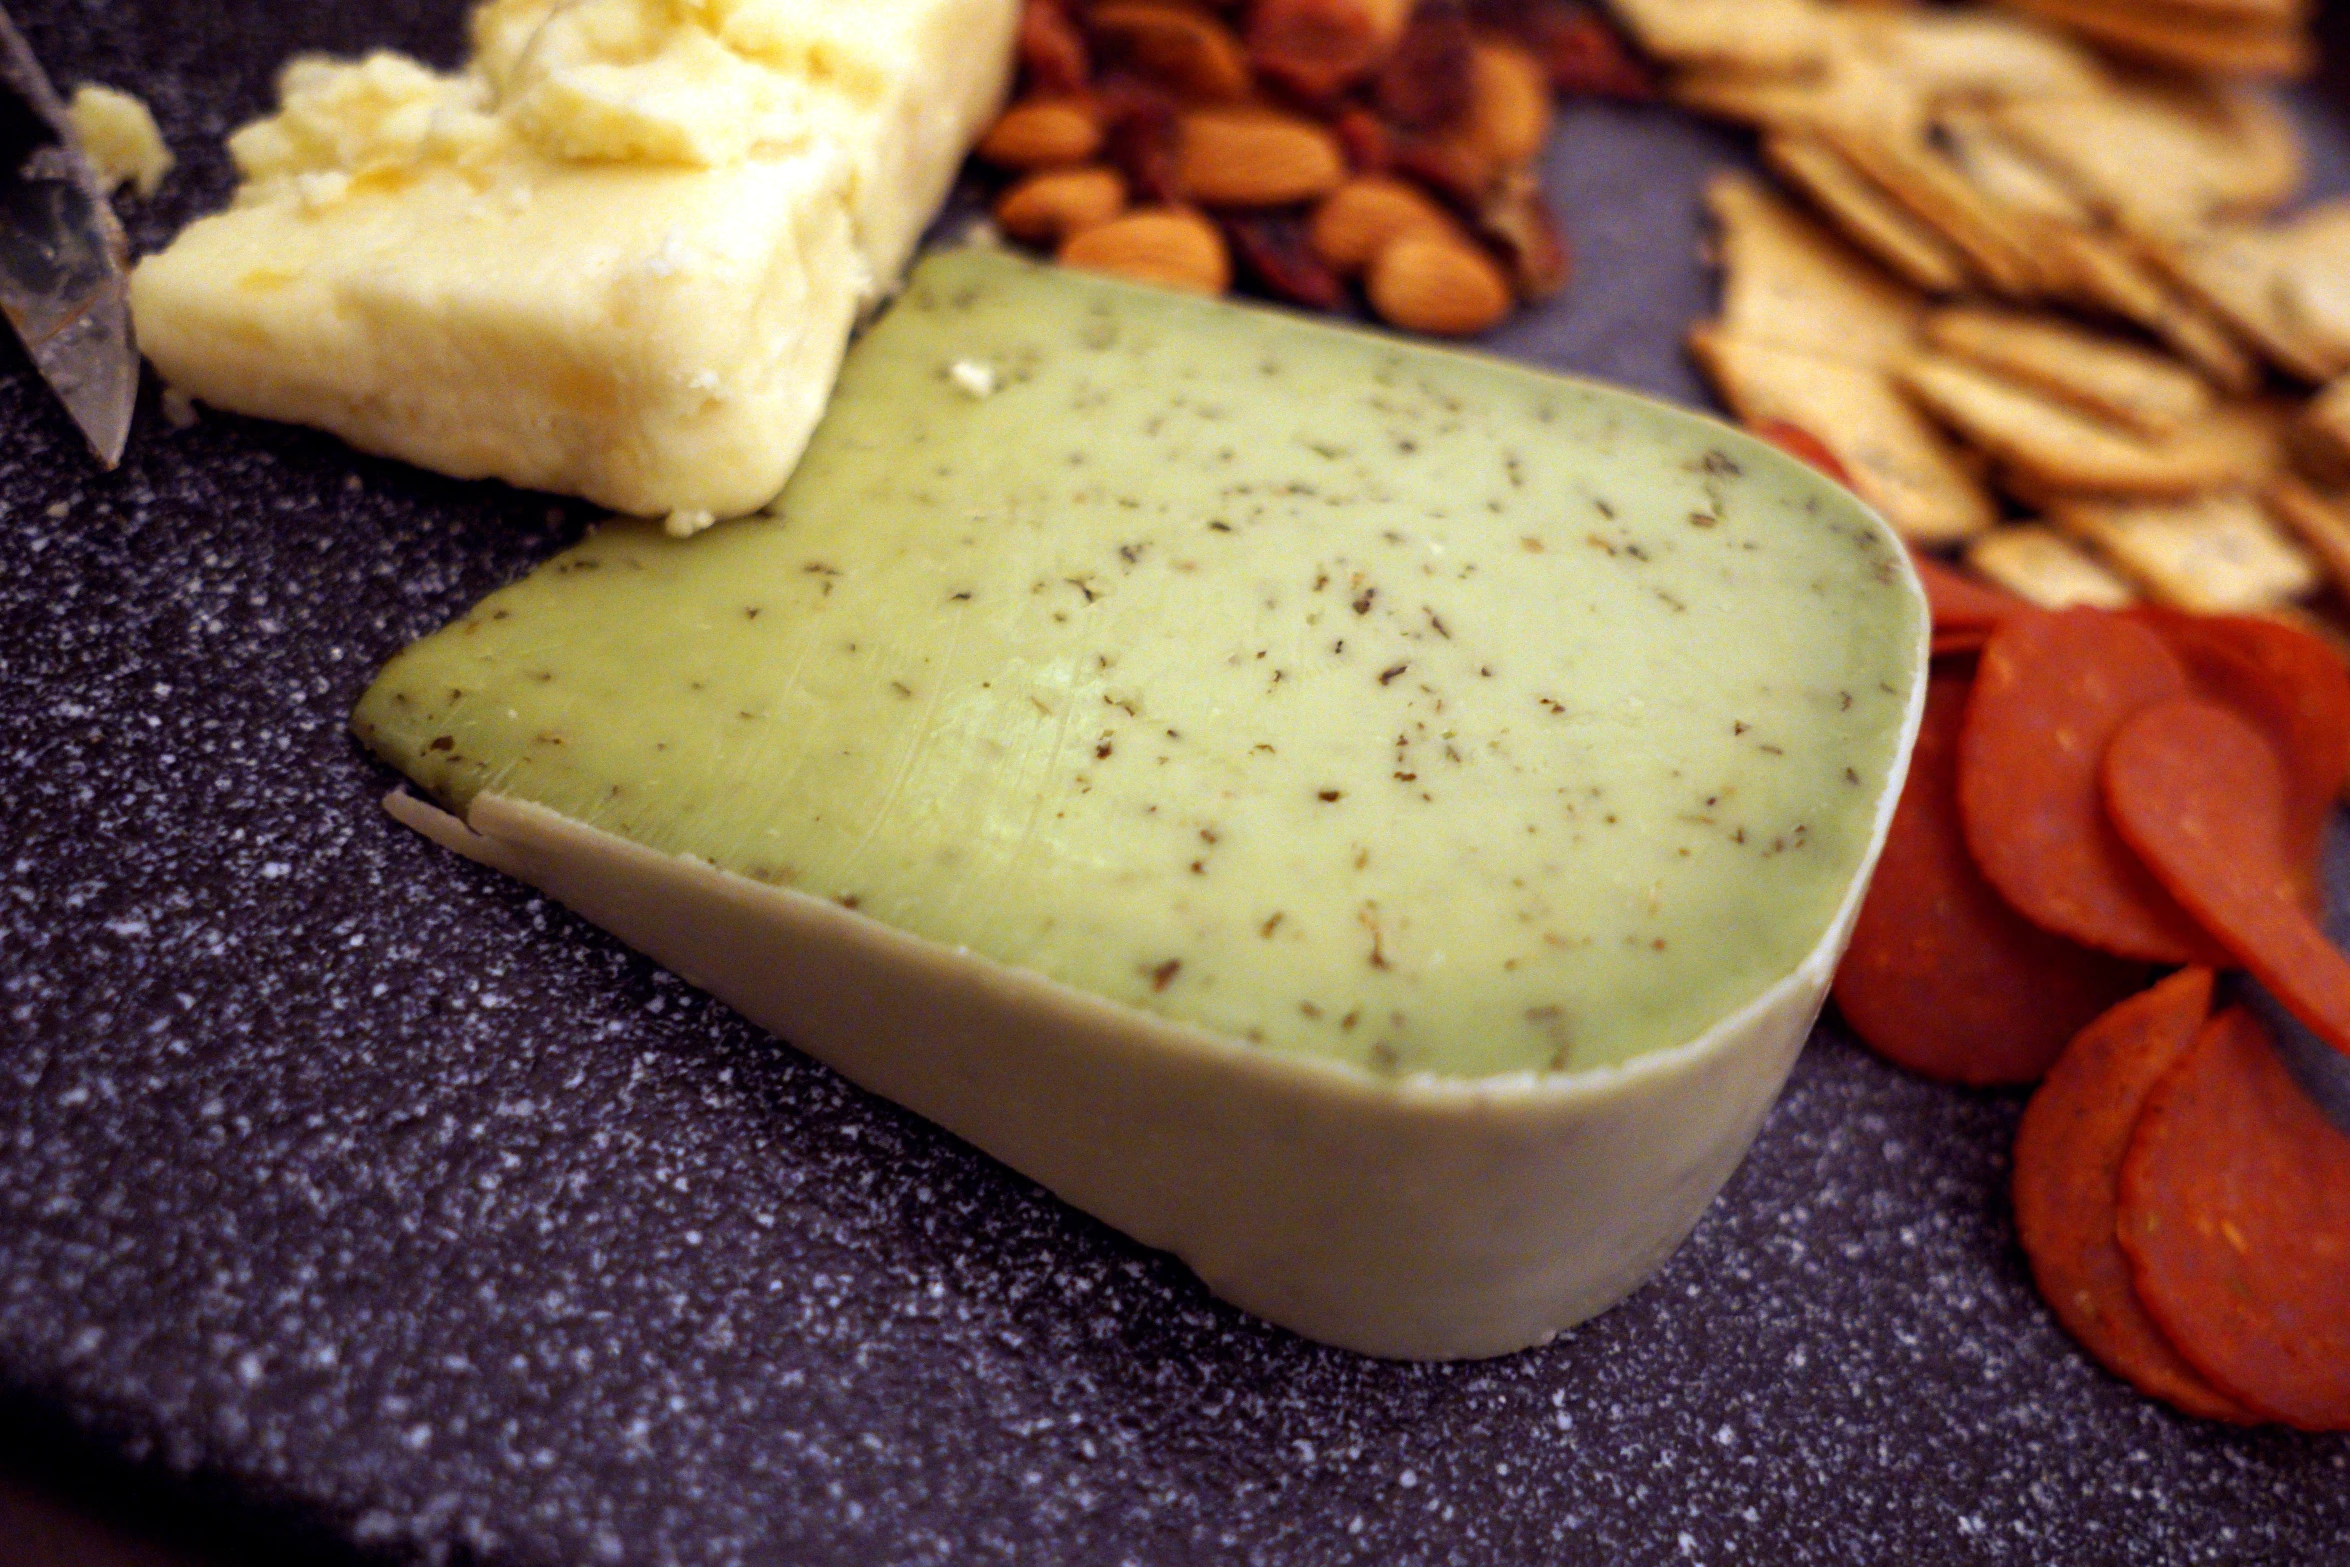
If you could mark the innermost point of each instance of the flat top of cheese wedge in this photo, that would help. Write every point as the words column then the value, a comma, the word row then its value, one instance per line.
column 1366, row 701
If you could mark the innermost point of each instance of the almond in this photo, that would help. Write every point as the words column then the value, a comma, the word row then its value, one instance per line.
column 1509, row 101
column 1169, row 246
column 1048, row 207
column 1042, row 133
column 1438, row 284
column 1187, row 51
column 1359, row 219
column 1317, row 48
column 1257, row 158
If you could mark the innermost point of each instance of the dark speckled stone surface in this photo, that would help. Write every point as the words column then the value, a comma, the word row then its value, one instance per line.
column 360, row 1191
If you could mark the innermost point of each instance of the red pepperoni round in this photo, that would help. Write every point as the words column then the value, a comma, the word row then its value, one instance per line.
column 2050, row 691
column 2203, row 798
column 1942, row 977
column 1958, row 602
column 2068, row 1161
column 2235, row 1215
column 2295, row 689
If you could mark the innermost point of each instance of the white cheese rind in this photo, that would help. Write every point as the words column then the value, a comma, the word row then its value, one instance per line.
column 1427, row 1218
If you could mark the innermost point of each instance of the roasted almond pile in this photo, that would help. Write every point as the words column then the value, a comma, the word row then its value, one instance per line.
column 2043, row 309
column 1304, row 148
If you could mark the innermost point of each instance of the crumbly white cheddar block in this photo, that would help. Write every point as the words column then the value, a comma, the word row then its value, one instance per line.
column 118, row 134
column 618, row 256
column 1375, row 822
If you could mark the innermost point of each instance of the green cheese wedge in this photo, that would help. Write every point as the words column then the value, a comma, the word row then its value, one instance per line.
column 1374, row 820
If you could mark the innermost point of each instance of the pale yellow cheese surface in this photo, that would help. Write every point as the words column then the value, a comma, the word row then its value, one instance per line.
column 618, row 255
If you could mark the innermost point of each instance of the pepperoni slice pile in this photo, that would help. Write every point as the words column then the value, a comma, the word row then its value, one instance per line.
column 2098, row 797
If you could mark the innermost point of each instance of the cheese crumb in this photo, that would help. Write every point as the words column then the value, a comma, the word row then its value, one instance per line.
column 974, row 378
column 685, row 524
column 119, row 137
column 179, row 409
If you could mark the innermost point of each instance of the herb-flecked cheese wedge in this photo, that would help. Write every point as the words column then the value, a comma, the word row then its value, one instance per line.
column 1376, row 822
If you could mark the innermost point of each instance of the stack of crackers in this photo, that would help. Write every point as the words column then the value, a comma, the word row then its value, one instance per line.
column 2043, row 308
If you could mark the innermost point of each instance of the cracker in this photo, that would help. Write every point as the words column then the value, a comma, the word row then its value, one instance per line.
column 2105, row 275
column 2160, row 158
column 2214, row 554
column 2183, row 37
column 2054, row 448
column 1757, row 35
column 2100, row 374
column 2002, row 171
column 2319, row 521
column 1971, row 53
column 2253, row 279
column 1865, row 214
column 1786, row 280
column 2044, row 567
column 1898, row 462
column 2321, row 437
column 1897, row 158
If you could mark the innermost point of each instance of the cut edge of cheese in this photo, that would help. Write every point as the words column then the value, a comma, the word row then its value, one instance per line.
column 1419, row 1218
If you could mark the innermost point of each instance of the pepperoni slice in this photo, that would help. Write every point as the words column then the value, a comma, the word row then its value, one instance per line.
column 2068, row 1162
column 1942, row 977
column 2050, row 691
column 1803, row 446
column 2295, row 689
column 1959, row 603
column 2202, row 797
column 2235, row 1215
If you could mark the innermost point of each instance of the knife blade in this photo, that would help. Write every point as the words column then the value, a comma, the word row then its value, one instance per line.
column 62, row 256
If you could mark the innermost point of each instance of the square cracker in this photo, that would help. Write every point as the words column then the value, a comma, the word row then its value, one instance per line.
column 2042, row 566
column 1866, row 214
column 2320, row 521
column 2162, row 156
column 1897, row 461
column 2184, row 36
column 2109, row 377
column 1782, row 36
column 2215, row 554
column 2106, row 275
column 1786, row 280
column 2058, row 449
column 2275, row 286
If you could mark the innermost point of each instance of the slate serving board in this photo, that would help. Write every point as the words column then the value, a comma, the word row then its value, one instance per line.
column 377, row 1205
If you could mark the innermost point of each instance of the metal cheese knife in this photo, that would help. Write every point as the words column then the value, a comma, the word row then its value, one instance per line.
column 62, row 256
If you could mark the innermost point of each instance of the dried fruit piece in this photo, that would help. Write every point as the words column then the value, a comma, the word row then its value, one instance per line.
column 2067, row 1185
column 1048, row 207
column 1942, row 977
column 1272, row 249
column 1437, row 284
column 2052, row 691
column 1515, row 220
column 2201, row 795
column 1358, row 220
column 1318, row 48
column 1165, row 245
column 1180, row 47
column 2235, row 1214
column 1142, row 138
column 1369, row 148
column 1042, row 133
column 1427, row 85
column 1256, row 158
column 1053, row 56
column 1584, row 55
